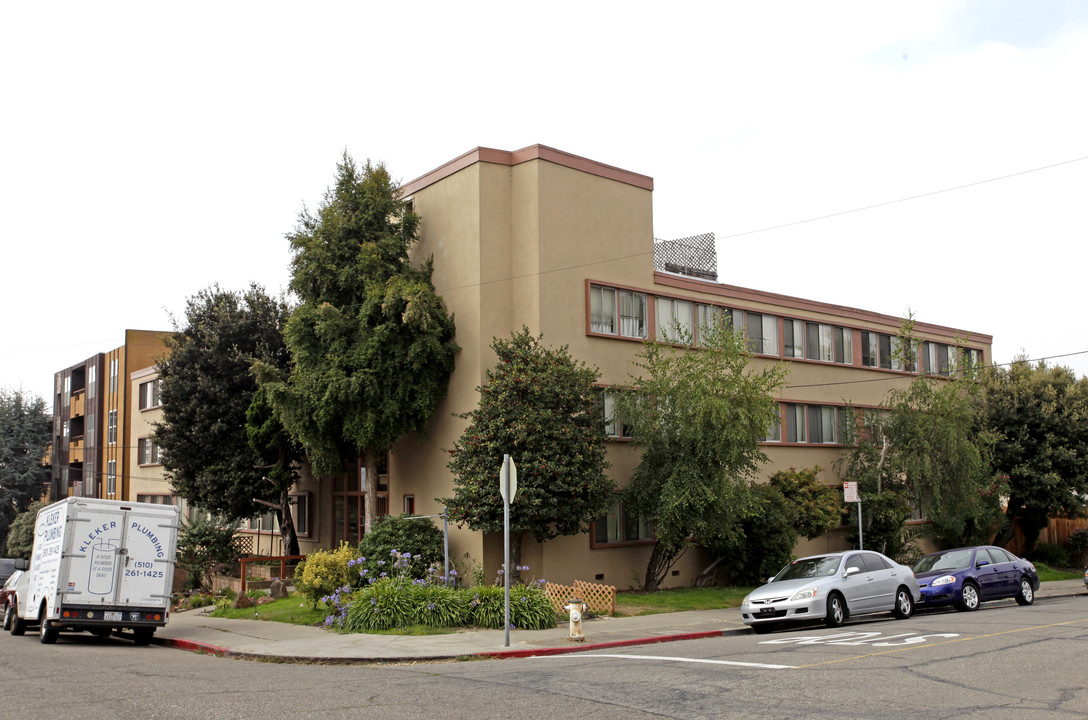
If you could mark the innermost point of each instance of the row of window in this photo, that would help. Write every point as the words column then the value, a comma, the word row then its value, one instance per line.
column 625, row 313
column 800, row 423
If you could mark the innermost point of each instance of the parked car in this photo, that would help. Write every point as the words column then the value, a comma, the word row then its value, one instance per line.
column 967, row 576
column 832, row 587
column 7, row 567
column 15, row 586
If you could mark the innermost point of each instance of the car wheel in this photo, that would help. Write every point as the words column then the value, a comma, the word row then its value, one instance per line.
column 836, row 610
column 102, row 633
column 969, row 598
column 1026, row 596
column 142, row 636
column 904, row 604
column 47, row 634
column 8, row 612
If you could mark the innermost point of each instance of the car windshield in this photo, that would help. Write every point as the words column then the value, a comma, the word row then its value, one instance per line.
column 823, row 566
column 947, row 560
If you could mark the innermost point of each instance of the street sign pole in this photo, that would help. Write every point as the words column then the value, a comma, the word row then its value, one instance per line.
column 850, row 494
column 505, row 485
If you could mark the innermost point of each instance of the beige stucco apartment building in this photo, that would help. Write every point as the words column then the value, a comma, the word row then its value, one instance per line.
column 565, row 246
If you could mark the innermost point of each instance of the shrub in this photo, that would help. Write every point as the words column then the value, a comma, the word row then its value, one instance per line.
column 438, row 606
column 421, row 539
column 1078, row 543
column 203, row 545
column 381, row 605
column 1052, row 554
column 324, row 572
column 530, row 608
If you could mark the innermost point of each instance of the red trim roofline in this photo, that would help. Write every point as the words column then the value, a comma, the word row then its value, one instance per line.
column 516, row 157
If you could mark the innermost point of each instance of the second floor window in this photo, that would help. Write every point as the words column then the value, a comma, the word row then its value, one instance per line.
column 111, row 428
column 617, row 312
column 150, row 394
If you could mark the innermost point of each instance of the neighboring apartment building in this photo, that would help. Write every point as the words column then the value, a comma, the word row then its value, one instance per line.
column 92, row 419
column 565, row 246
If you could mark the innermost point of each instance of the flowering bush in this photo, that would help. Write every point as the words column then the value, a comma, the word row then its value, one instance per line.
column 420, row 539
column 325, row 572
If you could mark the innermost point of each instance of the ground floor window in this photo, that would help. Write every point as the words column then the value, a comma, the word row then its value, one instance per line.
column 620, row 525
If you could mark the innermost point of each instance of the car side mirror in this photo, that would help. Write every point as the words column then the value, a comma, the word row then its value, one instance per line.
column 980, row 563
column 771, row 578
column 22, row 564
column 852, row 571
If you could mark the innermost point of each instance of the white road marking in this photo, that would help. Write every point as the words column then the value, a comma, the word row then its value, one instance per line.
column 690, row 660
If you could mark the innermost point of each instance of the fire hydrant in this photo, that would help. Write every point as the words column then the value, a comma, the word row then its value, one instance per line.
column 576, row 608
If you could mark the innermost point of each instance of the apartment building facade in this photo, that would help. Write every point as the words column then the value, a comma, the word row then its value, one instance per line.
column 565, row 246
column 93, row 417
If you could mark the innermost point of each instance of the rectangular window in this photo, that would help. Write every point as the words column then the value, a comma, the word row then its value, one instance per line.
column 67, row 389
column 300, row 513
column 972, row 358
column 602, row 309
column 823, row 424
column 937, row 359
column 90, row 430
column 710, row 319
column 632, row 314
column 113, row 375
column 148, row 452
column 795, row 423
column 828, row 343
column 111, row 478
column 111, row 428
column 149, row 394
column 793, row 338
column 91, row 380
column 762, row 333
column 409, row 504
column 673, row 319
column 606, row 304
column 774, row 432
column 613, row 427
column 885, row 351
column 620, row 525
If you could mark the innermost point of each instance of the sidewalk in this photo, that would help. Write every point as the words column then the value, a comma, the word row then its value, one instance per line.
column 191, row 630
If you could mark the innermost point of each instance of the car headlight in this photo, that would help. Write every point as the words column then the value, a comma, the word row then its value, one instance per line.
column 805, row 594
column 943, row 580
column 746, row 599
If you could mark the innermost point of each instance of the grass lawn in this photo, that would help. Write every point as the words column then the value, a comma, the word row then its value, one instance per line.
column 1047, row 573
column 630, row 603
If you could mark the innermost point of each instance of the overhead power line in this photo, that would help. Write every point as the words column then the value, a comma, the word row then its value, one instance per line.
column 905, row 199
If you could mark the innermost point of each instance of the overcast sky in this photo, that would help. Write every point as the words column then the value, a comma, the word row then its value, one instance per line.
column 148, row 150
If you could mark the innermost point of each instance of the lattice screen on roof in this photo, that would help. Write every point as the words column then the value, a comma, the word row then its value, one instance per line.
column 695, row 256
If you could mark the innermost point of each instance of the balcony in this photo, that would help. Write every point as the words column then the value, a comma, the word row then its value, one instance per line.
column 75, row 451
column 79, row 401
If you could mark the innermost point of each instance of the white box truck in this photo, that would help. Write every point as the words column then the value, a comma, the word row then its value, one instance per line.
column 100, row 566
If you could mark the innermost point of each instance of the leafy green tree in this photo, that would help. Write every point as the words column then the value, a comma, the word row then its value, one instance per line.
column 20, row 540
column 223, row 448
column 25, row 433
column 205, row 544
column 792, row 504
column 923, row 451
column 373, row 346
column 698, row 415
column 1041, row 415
column 944, row 458
column 540, row 406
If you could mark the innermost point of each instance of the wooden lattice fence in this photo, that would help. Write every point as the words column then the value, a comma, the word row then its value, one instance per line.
column 601, row 599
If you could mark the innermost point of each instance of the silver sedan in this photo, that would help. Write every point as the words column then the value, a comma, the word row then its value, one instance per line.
column 832, row 587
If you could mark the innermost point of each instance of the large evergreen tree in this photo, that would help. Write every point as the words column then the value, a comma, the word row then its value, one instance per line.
column 25, row 433
column 372, row 343
column 211, row 407
column 1041, row 415
column 698, row 414
column 539, row 405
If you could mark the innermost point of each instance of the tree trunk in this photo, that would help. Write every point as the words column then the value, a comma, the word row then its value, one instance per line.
column 657, row 561
column 370, row 506
column 288, row 536
column 1008, row 527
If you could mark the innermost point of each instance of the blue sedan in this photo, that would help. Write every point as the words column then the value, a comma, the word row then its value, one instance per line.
column 967, row 576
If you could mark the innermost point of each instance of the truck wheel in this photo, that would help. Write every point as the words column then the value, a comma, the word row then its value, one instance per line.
column 47, row 633
column 142, row 636
column 8, row 612
column 18, row 625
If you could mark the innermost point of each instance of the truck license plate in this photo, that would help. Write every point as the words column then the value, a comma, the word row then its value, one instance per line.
column 113, row 616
